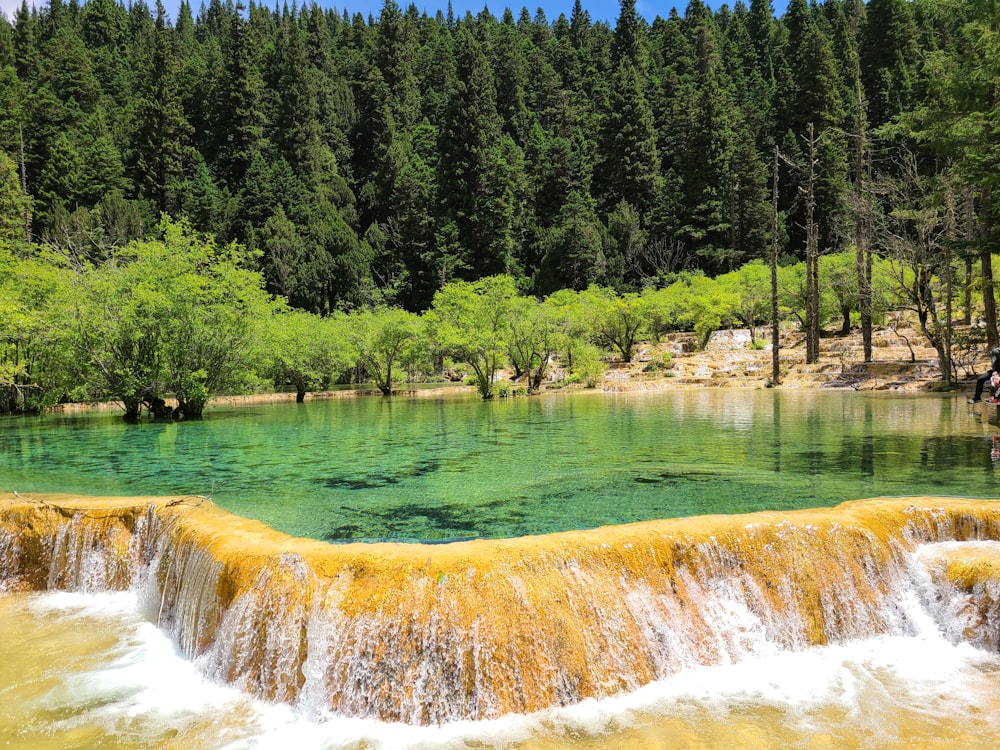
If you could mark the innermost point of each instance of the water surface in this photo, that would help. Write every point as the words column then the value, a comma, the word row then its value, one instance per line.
column 454, row 467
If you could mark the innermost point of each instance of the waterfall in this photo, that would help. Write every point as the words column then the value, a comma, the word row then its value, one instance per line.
column 474, row 630
column 963, row 590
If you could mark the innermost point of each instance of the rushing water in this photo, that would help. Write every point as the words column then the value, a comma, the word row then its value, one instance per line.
column 87, row 670
column 455, row 467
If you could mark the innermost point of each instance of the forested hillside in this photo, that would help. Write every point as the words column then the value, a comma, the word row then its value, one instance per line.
column 374, row 159
column 196, row 205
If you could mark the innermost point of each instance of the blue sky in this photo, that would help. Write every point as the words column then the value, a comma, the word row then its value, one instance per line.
column 600, row 10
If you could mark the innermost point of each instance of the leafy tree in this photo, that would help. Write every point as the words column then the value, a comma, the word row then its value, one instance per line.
column 535, row 337
column 696, row 303
column 569, row 310
column 212, row 342
column 120, row 316
column 792, row 295
column 383, row 338
column 308, row 351
column 178, row 315
column 751, row 286
column 36, row 366
column 839, row 270
column 473, row 325
column 618, row 321
column 587, row 364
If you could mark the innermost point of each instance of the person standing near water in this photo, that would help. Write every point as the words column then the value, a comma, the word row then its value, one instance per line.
column 981, row 380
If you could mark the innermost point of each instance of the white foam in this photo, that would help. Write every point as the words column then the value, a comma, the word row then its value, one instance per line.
column 136, row 672
column 866, row 680
column 74, row 603
column 143, row 679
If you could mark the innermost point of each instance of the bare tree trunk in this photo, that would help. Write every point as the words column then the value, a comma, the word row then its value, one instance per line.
column 775, row 359
column 24, row 187
column 812, row 257
column 949, row 272
column 946, row 367
column 386, row 387
column 969, row 229
column 862, row 245
column 989, row 297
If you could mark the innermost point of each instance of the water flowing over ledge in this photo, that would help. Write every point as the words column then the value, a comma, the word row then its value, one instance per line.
column 427, row 634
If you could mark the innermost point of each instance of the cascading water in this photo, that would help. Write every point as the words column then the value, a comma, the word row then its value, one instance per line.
column 480, row 630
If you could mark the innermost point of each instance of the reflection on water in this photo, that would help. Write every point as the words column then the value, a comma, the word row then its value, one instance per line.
column 455, row 467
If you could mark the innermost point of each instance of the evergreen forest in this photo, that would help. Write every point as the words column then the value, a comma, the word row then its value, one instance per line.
column 362, row 164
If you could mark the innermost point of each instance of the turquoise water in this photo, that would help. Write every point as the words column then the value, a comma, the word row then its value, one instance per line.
column 438, row 469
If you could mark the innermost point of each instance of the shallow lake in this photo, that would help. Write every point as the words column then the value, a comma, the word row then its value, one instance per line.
column 454, row 467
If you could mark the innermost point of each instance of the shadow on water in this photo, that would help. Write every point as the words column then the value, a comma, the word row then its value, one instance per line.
column 674, row 477
column 398, row 522
column 374, row 481
column 409, row 523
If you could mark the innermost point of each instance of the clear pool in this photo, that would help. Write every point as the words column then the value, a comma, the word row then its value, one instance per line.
column 454, row 467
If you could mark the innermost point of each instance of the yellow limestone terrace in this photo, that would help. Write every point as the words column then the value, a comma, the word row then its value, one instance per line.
column 968, row 582
column 472, row 630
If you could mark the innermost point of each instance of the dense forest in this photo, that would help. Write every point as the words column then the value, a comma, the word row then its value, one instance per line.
column 368, row 162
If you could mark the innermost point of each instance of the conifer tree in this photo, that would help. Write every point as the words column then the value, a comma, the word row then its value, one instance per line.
column 238, row 116
column 888, row 59
column 630, row 166
column 475, row 179
column 162, row 129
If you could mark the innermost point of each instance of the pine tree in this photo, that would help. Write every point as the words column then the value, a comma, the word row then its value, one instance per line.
column 574, row 254
column 395, row 57
column 103, row 27
column 629, row 41
column 810, row 97
column 14, row 204
column 475, row 180
column 889, row 54
column 162, row 129
column 629, row 169
column 239, row 116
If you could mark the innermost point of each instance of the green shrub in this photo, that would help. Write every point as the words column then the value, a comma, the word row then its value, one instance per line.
column 660, row 362
column 588, row 365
